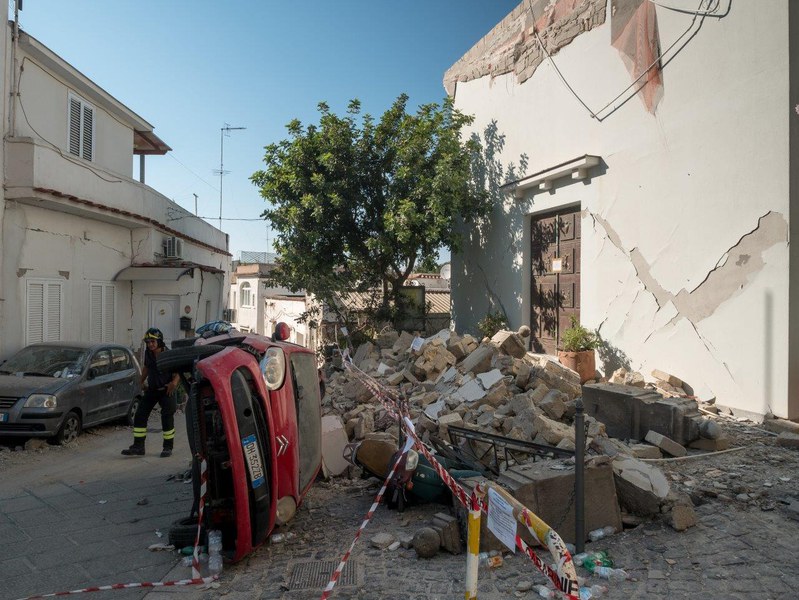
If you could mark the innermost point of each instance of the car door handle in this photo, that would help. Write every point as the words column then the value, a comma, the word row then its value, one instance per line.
column 109, row 388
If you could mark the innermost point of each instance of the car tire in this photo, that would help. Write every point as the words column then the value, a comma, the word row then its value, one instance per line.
column 69, row 430
column 183, row 532
column 184, row 342
column 134, row 405
column 182, row 359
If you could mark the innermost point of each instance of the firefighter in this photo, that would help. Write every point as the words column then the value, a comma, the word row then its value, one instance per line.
column 159, row 390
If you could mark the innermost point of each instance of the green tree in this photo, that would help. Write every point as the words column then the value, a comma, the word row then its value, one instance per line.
column 355, row 203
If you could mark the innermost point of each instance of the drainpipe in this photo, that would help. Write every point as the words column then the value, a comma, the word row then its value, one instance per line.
column 12, row 111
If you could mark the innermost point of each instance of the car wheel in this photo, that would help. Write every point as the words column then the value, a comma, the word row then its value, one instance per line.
column 70, row 429
column 134, row 406
column 183, row 532
column 182, row 359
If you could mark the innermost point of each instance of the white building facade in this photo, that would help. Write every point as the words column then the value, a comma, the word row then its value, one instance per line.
column 663, row 213
column 88, row 253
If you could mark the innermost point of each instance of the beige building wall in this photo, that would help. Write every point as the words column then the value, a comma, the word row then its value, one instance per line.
column 685, row 223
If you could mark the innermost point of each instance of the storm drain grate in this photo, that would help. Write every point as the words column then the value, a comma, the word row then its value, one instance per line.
column 316, row 574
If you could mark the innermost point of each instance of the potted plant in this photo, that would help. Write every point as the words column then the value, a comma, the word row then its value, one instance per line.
column 577, row 353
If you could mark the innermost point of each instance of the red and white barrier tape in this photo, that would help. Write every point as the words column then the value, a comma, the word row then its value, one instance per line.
column 340, row 568
column 125, row 586
column 195, row 563
column 385, row 398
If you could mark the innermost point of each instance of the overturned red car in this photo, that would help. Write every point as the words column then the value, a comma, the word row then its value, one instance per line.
column 254, row 416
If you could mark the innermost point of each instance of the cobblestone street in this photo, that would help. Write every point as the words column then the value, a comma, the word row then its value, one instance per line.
column 737, row 551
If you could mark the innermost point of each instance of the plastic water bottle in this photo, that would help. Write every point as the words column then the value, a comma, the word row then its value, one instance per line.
column 276, row 538
column 214, row 541
column 544, row 591
column 214, row 563
column 593, row 592
column 597, row 559
column 603, row 532
column 611, row 573
column 492, row 559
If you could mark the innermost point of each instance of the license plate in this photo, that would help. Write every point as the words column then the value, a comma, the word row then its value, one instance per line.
column 3, row 417
column 253, row 461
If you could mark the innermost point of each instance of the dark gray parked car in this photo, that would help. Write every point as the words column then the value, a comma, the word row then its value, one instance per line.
column 56, row 389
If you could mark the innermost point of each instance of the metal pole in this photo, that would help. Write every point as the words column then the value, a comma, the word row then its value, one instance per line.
column 579, row 476
column 226, row 129
column 221, row 171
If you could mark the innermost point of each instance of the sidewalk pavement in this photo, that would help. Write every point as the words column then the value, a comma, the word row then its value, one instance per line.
column 85, row 517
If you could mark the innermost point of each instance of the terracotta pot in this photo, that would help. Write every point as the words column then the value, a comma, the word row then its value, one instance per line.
column 584, row 362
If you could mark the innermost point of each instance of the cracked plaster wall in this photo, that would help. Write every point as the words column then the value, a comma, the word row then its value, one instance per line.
column 685, row 254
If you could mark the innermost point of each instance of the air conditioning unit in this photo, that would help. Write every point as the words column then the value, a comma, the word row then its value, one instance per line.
column 173, row 247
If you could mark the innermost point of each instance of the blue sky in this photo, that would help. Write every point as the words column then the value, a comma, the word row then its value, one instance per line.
column 191, row 66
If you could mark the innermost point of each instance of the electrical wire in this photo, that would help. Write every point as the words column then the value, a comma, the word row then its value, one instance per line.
column 596, row 114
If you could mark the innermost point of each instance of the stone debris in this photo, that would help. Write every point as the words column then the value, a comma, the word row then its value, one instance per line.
column 382, row 541
column 495, row 386
column 668, row 445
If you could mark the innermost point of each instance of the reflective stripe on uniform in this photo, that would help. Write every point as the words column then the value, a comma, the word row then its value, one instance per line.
column 169, row 435
column 139, row 432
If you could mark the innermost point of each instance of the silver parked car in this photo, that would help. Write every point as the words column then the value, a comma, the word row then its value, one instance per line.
column 56, row 389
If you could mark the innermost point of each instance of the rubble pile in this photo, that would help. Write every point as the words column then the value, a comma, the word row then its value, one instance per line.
column 496, row 387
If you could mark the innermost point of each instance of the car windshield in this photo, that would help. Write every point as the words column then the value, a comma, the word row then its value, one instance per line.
column 48, row 361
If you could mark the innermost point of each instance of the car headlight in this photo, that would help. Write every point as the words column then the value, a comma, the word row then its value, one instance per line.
column 41, row 401
column 412, row 461
column 273, row 368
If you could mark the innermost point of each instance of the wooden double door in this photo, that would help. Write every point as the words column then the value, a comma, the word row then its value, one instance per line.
column 555, row 285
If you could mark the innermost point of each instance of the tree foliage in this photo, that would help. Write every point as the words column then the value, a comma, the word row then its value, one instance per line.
column 355, row 203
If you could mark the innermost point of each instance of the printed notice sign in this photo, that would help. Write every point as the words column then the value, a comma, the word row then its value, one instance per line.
column 557, row 265
column 500, row 519
column 417, row 343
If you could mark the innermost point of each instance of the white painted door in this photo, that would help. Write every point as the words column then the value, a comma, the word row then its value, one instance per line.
column 164, row 314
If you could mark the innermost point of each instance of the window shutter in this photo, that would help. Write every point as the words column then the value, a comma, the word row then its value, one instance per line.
column 88, row 131
column 108, row 313
column 74, row 126
column 102, row 314
column 95, row 313
column 52, row 330
column 35, row 323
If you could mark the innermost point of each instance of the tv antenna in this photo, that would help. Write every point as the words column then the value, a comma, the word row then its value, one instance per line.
column 223, row 132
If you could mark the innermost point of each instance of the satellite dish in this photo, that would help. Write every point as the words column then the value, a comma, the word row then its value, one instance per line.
column 445, row 271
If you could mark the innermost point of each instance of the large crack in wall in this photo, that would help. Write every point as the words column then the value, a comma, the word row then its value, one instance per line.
column 736, row 268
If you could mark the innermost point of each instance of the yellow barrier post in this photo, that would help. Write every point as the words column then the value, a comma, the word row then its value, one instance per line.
column 473, row 543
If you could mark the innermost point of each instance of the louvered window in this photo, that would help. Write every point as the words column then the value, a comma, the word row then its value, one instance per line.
column 81, row 128
column 45, row 310
column 102, row 313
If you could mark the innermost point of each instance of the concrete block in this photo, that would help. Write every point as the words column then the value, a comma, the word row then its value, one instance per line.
column 670, row 379
column 448, row 529
column 629, row 412
column 641, row 487
column 668, row 445
column 645, row 451
column 478, row 361
column 550, row 495
column 553, row 431
column 510, row 343
column 445, row 421
column 334, row 439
